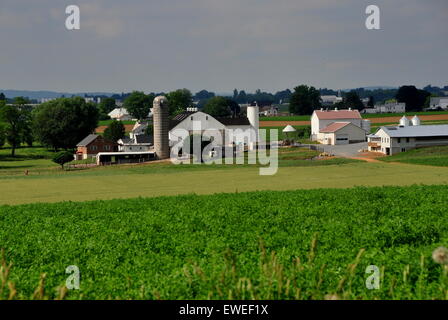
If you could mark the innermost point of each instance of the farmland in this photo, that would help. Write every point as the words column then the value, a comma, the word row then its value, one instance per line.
column 302, row 244
column 431, row 156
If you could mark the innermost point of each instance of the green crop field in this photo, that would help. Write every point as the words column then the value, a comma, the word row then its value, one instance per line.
column 303, row 244
column 431, row 156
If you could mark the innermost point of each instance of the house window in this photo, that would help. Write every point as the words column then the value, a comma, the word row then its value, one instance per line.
column 403, row 149
column 191, row 118
column 407, row 140
column 399, row 140
column 107, row 148
column 93, row 148
column 206, row 117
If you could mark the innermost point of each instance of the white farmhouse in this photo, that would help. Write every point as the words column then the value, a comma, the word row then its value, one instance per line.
column 120, row 114
column 338, row 126
column 408, row 135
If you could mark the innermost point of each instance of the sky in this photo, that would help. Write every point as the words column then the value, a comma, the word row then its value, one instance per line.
column 219, row 45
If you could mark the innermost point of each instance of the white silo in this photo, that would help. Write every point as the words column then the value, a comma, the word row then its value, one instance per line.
column 405, row 121
column 416, row 121
column 253, row 114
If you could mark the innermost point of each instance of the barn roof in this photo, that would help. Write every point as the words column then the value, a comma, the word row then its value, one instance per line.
column 338, row 114
column 335, row 126
column 87, row 140
column 440, row 130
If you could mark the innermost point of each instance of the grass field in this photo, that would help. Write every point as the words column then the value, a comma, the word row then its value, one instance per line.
column 431, row 156
column 301, row 244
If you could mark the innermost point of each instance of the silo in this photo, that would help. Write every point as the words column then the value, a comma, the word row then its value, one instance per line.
column 405, row 121
column 253, row 117
column 366, row 125
column 416, row 121
column 161, row 127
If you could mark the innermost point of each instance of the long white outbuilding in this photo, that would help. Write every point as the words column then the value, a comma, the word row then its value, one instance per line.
column 409, row 134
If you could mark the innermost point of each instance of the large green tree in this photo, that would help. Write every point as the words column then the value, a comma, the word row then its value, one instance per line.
column 304, row 100
column 414, row 98
column 106, row 105
column 138, row 104
column 15, row 122
column 219, row 107
column 63, row 122
column 114, row 131
column 179, row 100
column 352, row 100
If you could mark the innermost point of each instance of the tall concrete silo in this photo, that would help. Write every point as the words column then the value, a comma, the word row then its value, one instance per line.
column 161, row 123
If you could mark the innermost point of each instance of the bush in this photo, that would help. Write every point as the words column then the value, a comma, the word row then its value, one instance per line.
column 62, row 158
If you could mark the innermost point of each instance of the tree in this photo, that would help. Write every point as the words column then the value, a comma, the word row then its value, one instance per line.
column 413, row 97
column 2, row 96
column 304, row 100
column 13, row 119
column 2, row 134
column 204, row 95
column 106, row 105
column 114, row 131
column 352, row 100
column 371, row 102
column 219, row 107
column 62, row 158
column 242, row 97
column 63, row 122
column 179, row 100
column 138, row 104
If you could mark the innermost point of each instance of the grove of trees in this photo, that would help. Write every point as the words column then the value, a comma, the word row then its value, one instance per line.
column 304, row 100
column 62, row 123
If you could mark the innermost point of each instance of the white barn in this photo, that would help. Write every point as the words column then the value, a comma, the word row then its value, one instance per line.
column 198, row 122
column 332, row 126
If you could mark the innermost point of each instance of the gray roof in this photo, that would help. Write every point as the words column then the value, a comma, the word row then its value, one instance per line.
column 87, row 140
column 143, row 138
column 417, row 131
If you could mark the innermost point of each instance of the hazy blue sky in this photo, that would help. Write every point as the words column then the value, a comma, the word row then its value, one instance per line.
column 160, row 45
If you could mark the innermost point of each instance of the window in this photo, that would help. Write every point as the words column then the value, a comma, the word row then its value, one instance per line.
column 407, row 140
column 206, row 117
column 191, row 118
column 403, row 149
column 399, row 140
column 107, row 148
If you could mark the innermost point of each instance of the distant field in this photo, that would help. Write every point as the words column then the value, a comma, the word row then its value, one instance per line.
column 108, row 122
column 365, row 116
column 303, row 244
column 431, row 156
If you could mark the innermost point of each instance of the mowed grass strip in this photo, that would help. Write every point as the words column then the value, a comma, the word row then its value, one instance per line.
column 114, row 183
column 302, row 244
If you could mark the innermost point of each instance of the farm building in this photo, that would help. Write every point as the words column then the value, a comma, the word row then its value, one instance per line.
column 91, row 145
column 197, row 122
column 120, row 114
column 332, row 126
column 137, row 143
column 409, row 134
column 438, row 102
column 393, row 107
